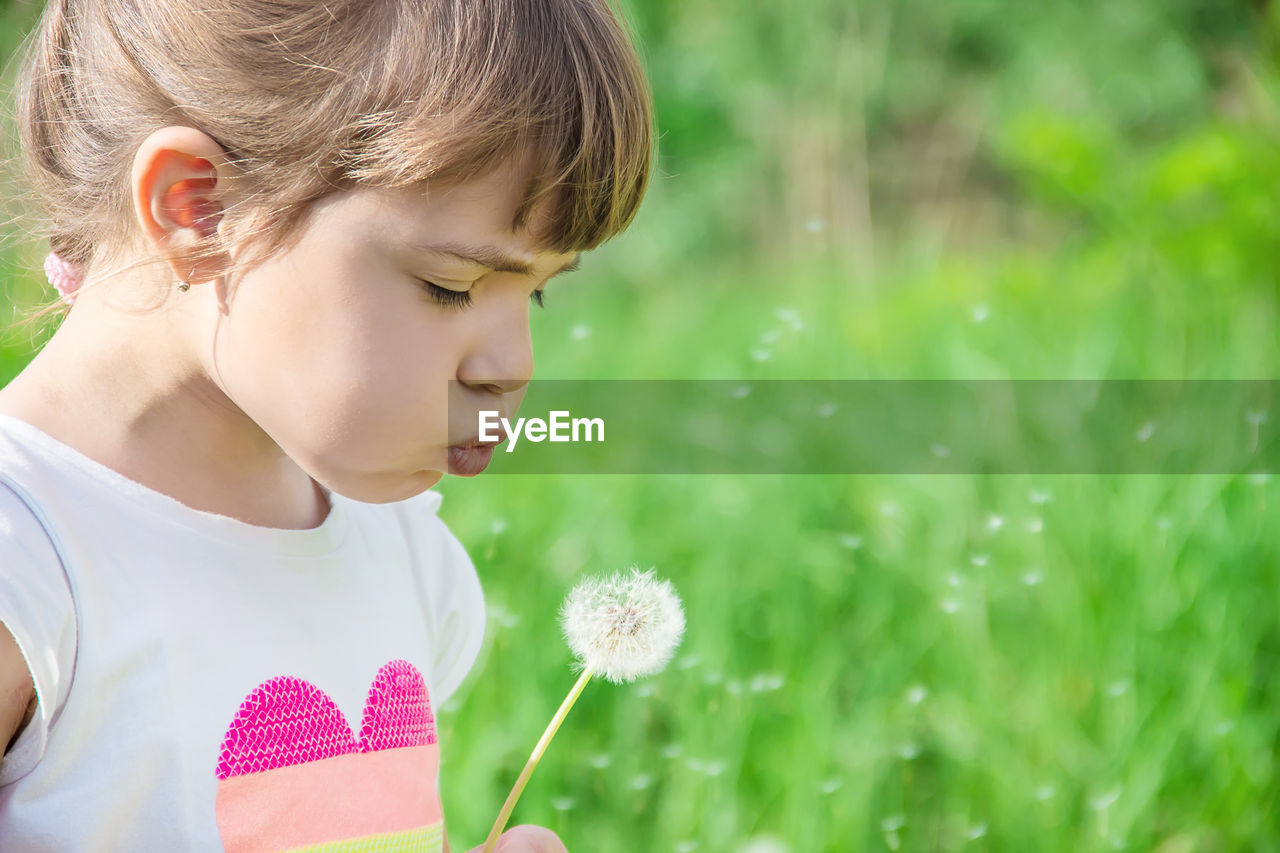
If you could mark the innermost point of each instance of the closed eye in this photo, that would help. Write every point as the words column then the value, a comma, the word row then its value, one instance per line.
column 462, row 298
column 445, row 296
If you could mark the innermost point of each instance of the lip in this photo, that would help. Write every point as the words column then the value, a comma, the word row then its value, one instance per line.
column 471, row 456
column 469, row 460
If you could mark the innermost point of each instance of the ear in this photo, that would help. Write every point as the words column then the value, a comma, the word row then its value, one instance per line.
column 179, row 181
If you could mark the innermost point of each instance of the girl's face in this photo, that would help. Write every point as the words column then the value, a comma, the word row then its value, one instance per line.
column 370, row 347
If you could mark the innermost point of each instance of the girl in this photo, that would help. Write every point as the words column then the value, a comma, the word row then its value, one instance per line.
column 300, row 239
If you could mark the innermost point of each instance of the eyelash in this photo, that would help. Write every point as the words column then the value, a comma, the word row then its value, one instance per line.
column 462, row 298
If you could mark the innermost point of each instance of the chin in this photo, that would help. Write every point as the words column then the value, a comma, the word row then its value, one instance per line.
column 386, row 491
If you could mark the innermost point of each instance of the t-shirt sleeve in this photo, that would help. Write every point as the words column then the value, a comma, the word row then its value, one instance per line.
column 37, row 608
column 454, row 604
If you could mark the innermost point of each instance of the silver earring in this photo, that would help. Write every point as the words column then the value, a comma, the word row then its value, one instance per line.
column 184, row 287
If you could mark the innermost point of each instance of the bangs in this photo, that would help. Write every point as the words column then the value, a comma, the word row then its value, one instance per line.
column 467, row 87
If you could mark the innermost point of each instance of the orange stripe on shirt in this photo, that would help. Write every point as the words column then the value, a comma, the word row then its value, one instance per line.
column 346, row 796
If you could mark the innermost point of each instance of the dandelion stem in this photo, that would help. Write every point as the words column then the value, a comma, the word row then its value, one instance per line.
column 554, row 726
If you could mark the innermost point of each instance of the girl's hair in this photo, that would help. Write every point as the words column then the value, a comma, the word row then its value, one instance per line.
column 308, row 97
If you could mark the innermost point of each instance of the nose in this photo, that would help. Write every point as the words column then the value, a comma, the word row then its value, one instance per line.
column 502, row 359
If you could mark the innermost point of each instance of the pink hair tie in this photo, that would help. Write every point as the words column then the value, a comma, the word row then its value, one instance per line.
column 63, row 275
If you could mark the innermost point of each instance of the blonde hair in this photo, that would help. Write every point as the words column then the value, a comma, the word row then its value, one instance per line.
column 309, row 97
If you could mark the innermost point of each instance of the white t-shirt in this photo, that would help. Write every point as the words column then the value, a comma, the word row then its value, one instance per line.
column 206, row 684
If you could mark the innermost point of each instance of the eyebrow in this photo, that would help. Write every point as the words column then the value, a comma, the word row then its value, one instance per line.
column 494, row 259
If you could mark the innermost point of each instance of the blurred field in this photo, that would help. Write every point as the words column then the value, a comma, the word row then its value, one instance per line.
column 976, row 189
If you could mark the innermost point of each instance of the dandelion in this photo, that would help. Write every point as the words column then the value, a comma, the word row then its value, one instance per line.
column 620, row 627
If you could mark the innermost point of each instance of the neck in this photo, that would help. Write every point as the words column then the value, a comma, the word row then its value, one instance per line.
column 119, row 387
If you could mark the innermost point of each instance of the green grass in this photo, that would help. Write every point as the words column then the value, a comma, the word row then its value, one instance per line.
column 1090, row 657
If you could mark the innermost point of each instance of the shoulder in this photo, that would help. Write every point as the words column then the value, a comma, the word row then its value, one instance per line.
column 452, row 599
column 37, row 613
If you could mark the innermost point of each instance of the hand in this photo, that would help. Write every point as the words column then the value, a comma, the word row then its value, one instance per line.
column 527, row 839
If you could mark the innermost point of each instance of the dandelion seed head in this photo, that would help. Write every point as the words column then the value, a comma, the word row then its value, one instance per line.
column 623, row 626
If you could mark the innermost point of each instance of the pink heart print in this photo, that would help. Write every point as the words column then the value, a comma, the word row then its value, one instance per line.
column 292, row 776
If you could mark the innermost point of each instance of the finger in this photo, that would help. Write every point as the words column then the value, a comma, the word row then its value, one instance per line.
column 530, row 839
